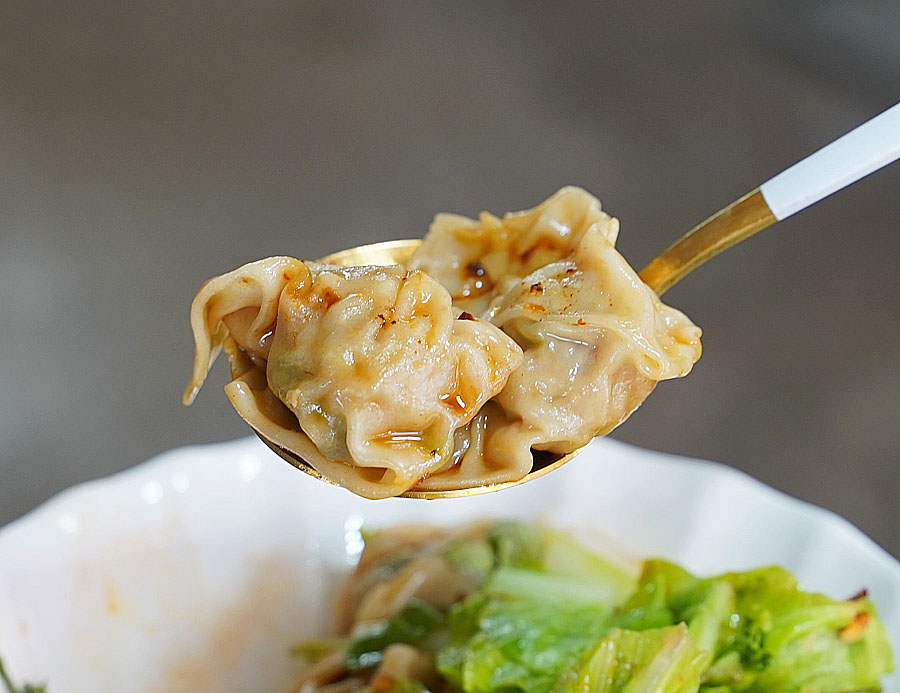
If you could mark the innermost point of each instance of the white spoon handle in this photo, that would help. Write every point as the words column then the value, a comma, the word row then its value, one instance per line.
column 861, row 151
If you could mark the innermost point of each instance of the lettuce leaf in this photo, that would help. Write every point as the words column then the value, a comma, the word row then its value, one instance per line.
column 552, row 617
column 513, row 544
column 660, row 660
column 515, row 583
column 10, row 687
column 317, row 649
column 418, row 624
column 523, row 547
column 755, row 631
column 544, row 601
column 565, row 556
column 787, row 639
column 763, row 632
column 400, row 686
column 517, row 645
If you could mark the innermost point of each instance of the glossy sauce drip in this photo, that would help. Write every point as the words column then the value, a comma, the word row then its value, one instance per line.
column 328, row 297
column 543, row 246
column 267, row 336
column 454, row 400
column 475, row 281
column 398, row 438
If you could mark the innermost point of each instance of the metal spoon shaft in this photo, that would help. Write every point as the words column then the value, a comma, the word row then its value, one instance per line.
column 863, row 150
column 737, row 222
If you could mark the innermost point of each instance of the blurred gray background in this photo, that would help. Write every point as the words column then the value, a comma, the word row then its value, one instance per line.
column 147, row 146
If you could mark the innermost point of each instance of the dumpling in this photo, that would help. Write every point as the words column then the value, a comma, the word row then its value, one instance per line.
column 375, row 367
column 364, row 371
column 382, row 379
column 479, row 260
column 596, row 341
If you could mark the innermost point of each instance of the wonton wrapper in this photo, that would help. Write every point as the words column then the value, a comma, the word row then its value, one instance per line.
column 479, row 260
column 242, row 303
column 596, row 342
column 368, row 360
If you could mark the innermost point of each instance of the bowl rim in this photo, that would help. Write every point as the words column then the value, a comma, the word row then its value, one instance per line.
column 160, row 466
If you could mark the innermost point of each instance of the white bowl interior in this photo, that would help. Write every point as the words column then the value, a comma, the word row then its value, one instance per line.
column 197, row 570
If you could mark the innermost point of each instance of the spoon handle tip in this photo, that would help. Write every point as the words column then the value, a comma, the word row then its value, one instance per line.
column 863, row 150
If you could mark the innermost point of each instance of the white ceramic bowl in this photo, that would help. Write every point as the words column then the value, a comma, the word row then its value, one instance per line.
column 197, row 570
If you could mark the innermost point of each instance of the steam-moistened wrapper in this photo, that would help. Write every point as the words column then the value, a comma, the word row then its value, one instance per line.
column 479, row 260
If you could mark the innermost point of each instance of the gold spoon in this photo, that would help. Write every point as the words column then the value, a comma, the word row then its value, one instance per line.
column 872, row 145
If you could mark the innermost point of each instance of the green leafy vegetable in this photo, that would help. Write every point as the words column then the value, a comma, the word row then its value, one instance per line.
column 758, row 631
column 763, row 633
column 400, row 686
column 517, row 645
column 549, row 616
column 661, row 660
column 647, row 607
column 473, row 556
column 544, row 601
column 12, row 688
column 503, row 544
column 565, row 556
column 314, row 650
column 788, row 639
column 415, row 625
column 516, row 544
column 531, row 584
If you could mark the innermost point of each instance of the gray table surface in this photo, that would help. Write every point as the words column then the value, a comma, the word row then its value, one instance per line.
column 147, row 146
